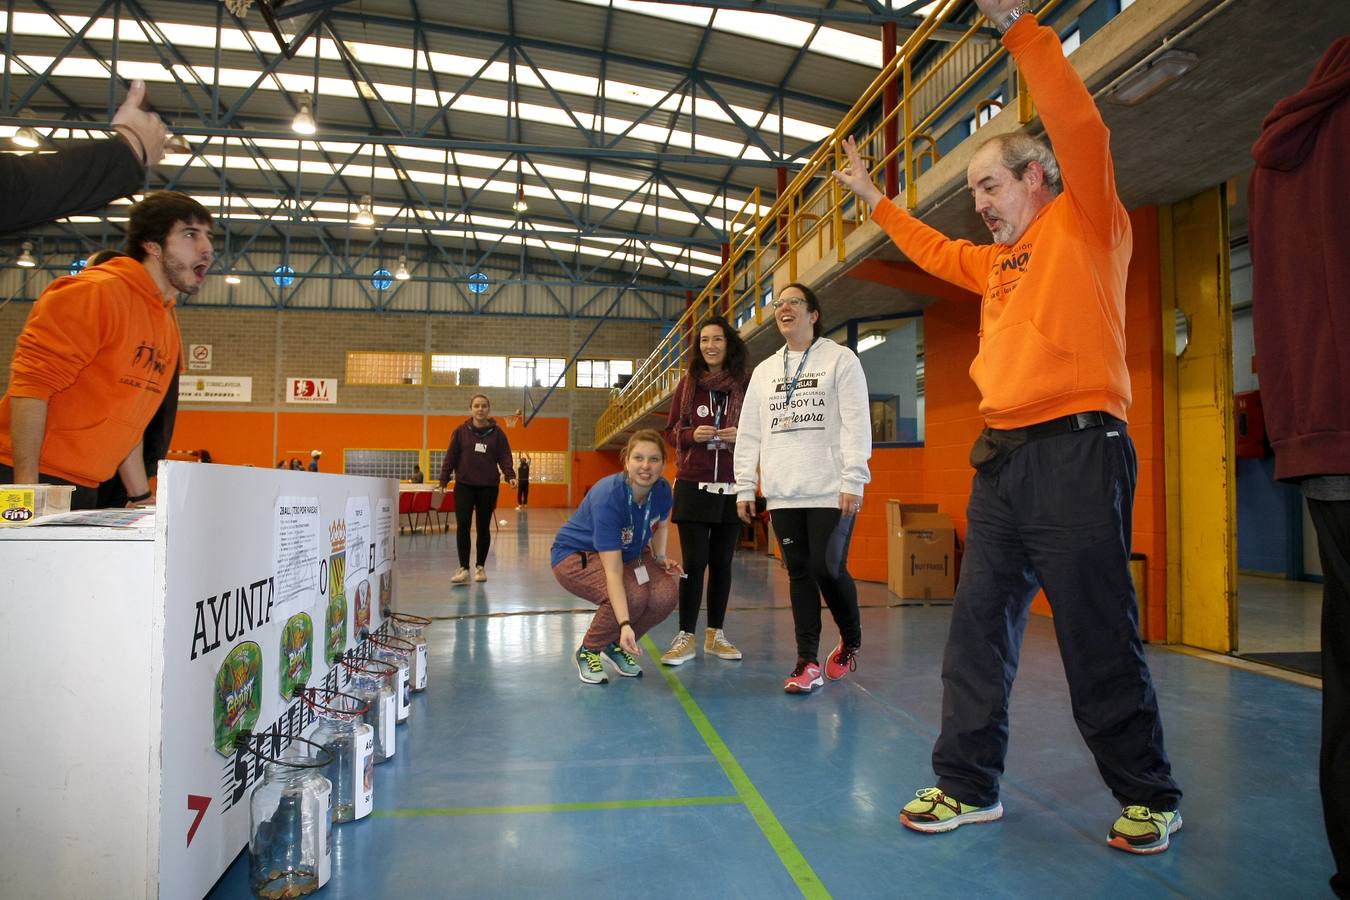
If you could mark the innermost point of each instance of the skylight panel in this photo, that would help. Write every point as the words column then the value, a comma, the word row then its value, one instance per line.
column 777, row 29
column 130, row 32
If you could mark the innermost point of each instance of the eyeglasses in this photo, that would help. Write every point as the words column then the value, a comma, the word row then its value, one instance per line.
column 787, row 301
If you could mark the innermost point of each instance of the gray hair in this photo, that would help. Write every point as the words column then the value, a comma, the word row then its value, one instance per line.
column 1018, row 149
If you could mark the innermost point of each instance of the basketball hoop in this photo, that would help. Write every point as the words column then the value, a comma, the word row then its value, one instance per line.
column 512, row 420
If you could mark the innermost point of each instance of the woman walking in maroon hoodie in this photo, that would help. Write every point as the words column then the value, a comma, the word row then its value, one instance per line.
column 702, row 429
column 478, row 448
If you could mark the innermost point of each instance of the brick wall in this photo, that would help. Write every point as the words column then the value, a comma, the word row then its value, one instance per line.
column 271, row 346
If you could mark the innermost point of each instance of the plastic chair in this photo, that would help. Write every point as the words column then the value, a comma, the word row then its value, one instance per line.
column 445, row 509
column 405, row 505
column 421, row 507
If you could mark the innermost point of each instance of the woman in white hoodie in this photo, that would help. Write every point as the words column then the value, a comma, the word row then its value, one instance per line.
column 806, row 428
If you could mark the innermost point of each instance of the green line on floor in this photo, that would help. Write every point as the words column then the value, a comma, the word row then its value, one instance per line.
column 554, row 807
column 805, row 877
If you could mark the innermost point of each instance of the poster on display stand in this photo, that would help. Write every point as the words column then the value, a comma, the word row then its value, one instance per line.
column 268, row 576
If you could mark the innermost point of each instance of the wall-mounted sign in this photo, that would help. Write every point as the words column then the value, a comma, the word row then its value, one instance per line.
column 311, row 390
column 199, row 357
column 215, row 389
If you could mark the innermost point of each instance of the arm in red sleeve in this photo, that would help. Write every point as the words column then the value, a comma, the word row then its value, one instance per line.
column 678, row 437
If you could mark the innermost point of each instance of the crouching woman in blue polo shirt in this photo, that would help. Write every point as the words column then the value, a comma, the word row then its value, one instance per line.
column 612, row 552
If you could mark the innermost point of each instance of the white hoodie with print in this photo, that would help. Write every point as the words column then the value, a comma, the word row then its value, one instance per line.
column 810, row 453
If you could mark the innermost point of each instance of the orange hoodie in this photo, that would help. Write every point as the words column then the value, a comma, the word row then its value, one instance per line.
column 101, row 348
column 1052, row 317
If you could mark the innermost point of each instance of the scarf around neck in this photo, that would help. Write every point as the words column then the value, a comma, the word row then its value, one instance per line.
column 723, row 382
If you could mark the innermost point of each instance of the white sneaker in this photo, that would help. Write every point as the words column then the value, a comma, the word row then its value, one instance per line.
column 461, row 576
column 479, row 574
column 681, row 650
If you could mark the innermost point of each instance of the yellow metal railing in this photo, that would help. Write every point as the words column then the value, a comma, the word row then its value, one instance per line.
column 813, row 211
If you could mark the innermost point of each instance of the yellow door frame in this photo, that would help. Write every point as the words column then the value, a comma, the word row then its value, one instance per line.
column 1198, row 422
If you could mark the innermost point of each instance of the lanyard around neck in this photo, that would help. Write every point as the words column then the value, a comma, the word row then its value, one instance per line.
column 792, row 385
column 645, row 506
column 718, row 401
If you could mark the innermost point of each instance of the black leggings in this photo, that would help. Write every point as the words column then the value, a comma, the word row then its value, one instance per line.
column 815, row 550
column 522, row 493
column 471, row 498
column 711, row 547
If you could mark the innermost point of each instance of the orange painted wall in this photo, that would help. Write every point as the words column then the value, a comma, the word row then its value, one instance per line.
column 939, row 472
column 245, row 438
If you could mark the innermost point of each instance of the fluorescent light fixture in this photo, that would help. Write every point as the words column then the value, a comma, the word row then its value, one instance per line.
column 27, row 137
column 520, row 206
column 303, row 123
column 1139, row 84
column 870, row 340
column 365, row 212
column 26, row 259
column 402, row 273
column 231, row 278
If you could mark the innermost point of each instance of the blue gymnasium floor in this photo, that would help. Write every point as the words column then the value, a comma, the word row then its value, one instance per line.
column 514, row 779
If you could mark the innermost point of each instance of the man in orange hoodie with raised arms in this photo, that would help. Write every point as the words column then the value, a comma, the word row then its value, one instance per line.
column 1052, row 497
column 97, row 353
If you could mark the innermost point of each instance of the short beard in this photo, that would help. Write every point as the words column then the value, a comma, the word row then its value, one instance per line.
column 1000, row 230
column 174, row 272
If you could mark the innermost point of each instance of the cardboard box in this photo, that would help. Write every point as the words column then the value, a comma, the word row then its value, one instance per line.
column 920, row 551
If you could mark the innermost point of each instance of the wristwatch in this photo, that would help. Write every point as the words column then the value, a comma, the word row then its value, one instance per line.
column 1011, row 18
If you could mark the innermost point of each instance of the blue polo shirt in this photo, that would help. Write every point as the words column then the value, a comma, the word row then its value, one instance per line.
column 608, row 519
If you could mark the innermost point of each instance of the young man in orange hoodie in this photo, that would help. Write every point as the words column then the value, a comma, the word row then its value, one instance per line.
column 98, row 352
column 1052, row 497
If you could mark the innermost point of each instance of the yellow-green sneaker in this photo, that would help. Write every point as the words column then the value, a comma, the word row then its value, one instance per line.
column 624, row 663
column 932, row 811
column 1143, row 830
column 589, row 667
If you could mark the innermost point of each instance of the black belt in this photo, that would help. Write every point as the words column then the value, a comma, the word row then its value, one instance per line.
column 1062, row 425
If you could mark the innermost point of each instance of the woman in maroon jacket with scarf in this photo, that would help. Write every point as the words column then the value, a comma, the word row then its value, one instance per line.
column 702, row 429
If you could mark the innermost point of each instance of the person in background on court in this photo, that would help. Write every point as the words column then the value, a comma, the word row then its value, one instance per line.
column 296, row 465
column 701, row 427
column 97, row 354
column 417, row 476
column 82, row 176
column 612, row 552
column 112, row 493
column 1055, row 453
column 523, row 482
column 1301, row 324
column 314, row 460
column 478, row 448
column 806, row 430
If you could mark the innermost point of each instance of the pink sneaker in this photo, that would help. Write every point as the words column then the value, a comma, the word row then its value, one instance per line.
column 804, row 679
column 841, row 661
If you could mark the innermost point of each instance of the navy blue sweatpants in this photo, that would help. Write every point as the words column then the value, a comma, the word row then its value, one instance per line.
column 1057, row 514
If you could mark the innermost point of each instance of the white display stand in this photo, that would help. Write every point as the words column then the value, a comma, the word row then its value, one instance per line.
column 111, row 656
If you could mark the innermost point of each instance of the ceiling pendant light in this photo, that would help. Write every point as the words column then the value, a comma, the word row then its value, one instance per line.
column 365, row 212
column 402, row 273
column 26, row 259
column 303, row 123
column 520, row 206
column 27, row 137
column 231, row 278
